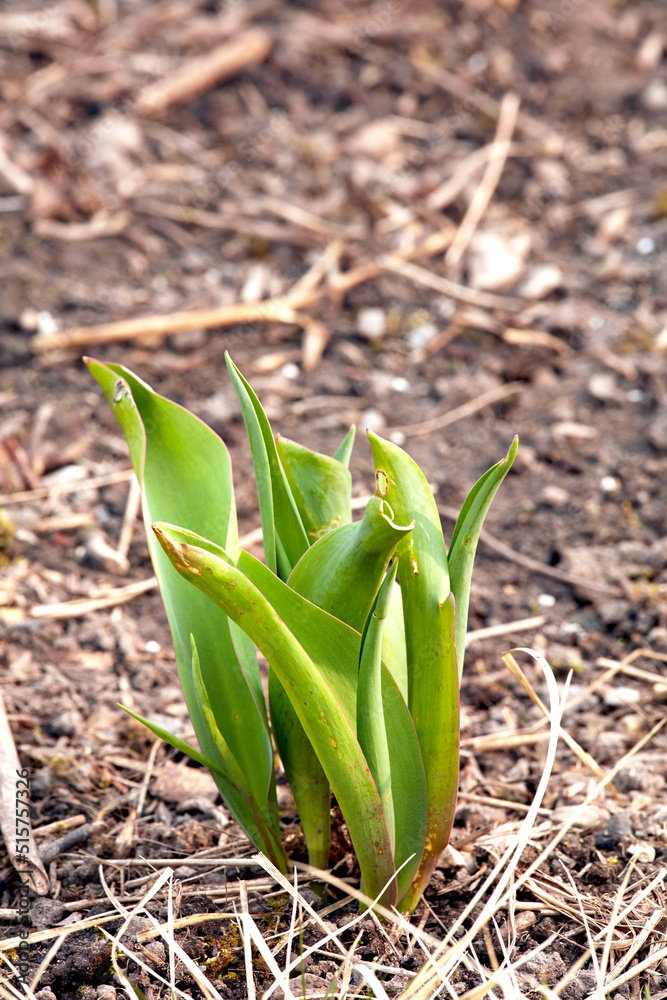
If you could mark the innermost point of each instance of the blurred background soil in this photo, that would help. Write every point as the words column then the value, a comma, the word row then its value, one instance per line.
column 161, row 158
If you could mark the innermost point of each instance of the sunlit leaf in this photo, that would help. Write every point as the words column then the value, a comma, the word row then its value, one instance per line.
column 463, row 545
column 169, row 447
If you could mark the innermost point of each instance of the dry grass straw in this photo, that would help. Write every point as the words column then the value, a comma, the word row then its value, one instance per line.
column 619, row 930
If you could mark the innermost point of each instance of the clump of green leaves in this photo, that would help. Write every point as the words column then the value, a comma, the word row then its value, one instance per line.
column 363, row 625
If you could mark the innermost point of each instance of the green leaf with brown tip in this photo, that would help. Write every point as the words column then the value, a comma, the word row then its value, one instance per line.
column 320, row 712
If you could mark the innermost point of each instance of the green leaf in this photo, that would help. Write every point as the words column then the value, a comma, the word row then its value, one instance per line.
column 321, row 487
column 223, row 779
column 305, row 775
column 464, row 541
column 266, row 819
column 278, row 511
column 316, row 658
column 393, row 643
column 328, row 641
column 429, row 635
column 343, row 452
column 185, row 475
column 320, row 712
column 371, row 730
column 343, row 571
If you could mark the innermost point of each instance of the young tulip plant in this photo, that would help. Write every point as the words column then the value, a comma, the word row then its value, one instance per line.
column 363, row 625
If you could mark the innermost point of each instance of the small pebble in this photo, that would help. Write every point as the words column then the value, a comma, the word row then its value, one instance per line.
column 372, row 323
column 645, row 245
column 585, row 817
column 422, row 335
column 610, row 484
column 654, row 97
column 642, row 852
column 602, row 386
column 477, row 62
column 451, row 858
column 152, row 646
column 373, row 420
column 657, row 431
column 46, row 322
column 540, row 281
column 660, row 691
column 554, row 496
column 523, row 921
column 546, row 600
column 619, row 697
column 46, row 913
column 28, row 319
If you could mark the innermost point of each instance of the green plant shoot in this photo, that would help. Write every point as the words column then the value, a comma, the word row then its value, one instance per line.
column 363, row 625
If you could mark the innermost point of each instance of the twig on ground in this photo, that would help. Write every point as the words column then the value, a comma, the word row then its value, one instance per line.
column 225, row 221
column 503, row 740
column 272, row 311
column 489, row 800
column 65, row 843
column 466, row 170
column 202, row 73
column 132, row 507
column 534, row 565
column 491, row 631
column 84, row 605
column 461, row 293
column 60, row 826
column 73, row 486
column 507, row 117
column 495, row 395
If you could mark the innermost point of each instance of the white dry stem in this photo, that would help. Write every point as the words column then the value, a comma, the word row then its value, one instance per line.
column 252, row 934
column 378, row 989
column 507, row 117
column 247, row 951
column 292, row 924
column 449, row 955
column 269, row 867
column 599, row 972
column 28, row 993
column 117, row 945
column 46, row 961
column 170, row 936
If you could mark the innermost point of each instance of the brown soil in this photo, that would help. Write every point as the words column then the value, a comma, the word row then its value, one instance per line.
column 344, row 131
